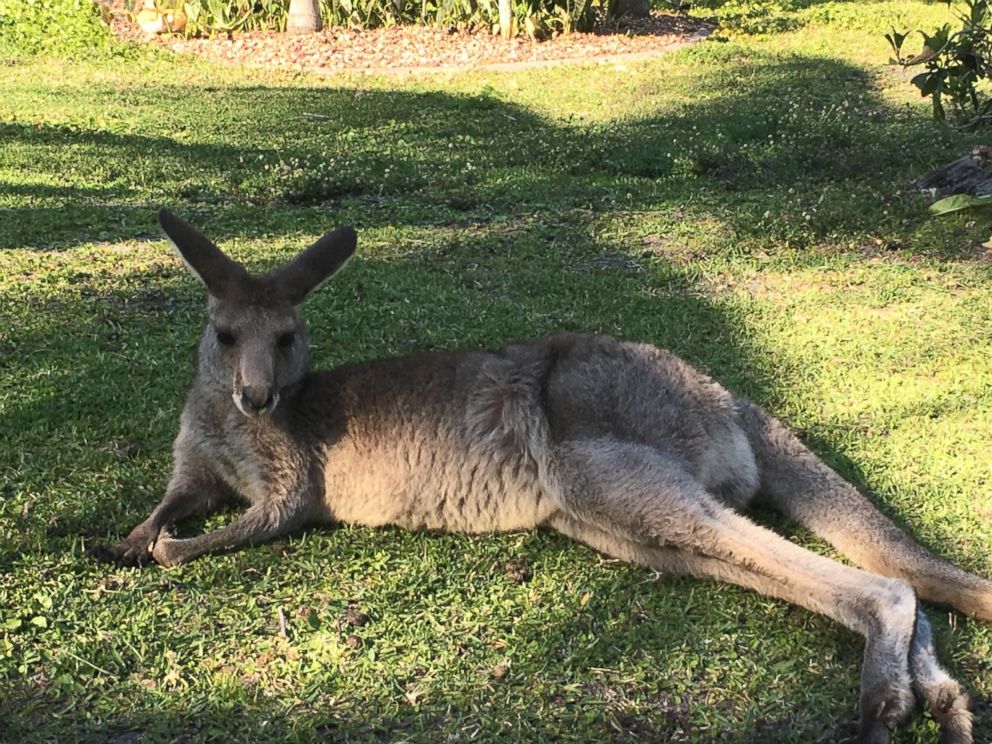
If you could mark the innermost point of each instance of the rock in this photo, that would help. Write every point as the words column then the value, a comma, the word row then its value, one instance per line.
column 971, row 175
column 153, row 20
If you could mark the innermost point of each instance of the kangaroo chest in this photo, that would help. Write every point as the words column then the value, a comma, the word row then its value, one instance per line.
column 257, row 463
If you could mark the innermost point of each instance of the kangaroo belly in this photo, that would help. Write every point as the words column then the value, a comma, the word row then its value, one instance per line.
column 442, row 491
column 497, row 502
column 459, row 451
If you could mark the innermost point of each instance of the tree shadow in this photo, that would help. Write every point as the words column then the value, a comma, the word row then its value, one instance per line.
column 773, row 152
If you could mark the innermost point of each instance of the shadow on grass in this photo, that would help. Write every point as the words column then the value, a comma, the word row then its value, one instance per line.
column 793, row 147
column 572, row 672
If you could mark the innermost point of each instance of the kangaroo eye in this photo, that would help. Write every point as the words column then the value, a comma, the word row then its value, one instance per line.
column 225, row 338
column 286, row 340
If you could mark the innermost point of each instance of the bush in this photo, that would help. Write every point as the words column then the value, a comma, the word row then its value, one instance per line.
column 956, row 66
column 68, row 27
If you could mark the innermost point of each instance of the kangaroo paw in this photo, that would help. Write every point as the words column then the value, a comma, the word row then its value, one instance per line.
column 127, row 553
column 948, row 701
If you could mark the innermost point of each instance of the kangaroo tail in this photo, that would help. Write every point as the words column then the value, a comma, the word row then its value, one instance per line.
column 801, row 486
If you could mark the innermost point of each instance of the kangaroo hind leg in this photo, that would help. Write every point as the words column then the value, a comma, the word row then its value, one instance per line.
column 931, row 682
column 801, row 486
column 635, row 502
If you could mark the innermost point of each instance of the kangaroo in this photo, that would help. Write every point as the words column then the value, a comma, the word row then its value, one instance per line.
column 620, row 445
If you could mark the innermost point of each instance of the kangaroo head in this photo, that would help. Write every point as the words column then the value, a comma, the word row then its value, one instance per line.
column 255, row 345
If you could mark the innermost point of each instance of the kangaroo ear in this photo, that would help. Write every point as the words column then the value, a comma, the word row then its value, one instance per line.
column 315, row 265
column 221, row 275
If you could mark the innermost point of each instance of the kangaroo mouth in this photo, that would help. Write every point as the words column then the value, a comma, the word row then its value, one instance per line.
column 251, row 408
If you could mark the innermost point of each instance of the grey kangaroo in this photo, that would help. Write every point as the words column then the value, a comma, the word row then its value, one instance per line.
column 620, row 445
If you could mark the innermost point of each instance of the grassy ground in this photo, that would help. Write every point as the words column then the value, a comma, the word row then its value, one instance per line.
column 743, row 202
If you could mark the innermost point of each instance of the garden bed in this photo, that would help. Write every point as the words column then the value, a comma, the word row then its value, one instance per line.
column 430, row 48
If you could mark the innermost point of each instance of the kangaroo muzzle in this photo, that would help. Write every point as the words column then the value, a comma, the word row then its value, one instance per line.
column 255, row 392
column 256, row 400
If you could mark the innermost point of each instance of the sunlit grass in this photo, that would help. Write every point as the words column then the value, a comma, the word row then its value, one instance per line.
column 744, row 202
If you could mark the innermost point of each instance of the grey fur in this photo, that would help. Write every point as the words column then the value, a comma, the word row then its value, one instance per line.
column 620, row 445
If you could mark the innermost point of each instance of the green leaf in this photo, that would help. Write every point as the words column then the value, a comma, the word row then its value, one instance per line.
column 896, row 40
column 11, row 624
column 958, row 202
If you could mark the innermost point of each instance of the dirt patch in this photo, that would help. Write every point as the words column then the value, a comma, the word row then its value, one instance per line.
column 517, row 571
column 412, row 49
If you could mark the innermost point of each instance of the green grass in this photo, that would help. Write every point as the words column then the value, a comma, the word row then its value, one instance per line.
column 743, row 202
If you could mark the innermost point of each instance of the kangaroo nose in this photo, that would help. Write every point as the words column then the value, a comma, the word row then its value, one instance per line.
column 256, row 398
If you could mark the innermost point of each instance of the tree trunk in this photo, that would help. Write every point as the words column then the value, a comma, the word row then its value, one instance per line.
column 506, row 24
column 304, row 17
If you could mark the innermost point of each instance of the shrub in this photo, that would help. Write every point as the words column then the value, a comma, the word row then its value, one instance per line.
column 956, row 66
column 68, row 27
column 212, row 16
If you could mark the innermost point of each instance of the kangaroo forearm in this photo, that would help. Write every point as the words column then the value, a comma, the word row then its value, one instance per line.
column 261, row 522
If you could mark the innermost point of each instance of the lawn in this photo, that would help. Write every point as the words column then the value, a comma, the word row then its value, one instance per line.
column 744, row 202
